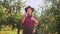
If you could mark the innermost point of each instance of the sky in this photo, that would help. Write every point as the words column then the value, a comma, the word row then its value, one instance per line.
column 34, row 3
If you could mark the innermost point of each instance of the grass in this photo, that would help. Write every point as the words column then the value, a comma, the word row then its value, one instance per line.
column 10, row 32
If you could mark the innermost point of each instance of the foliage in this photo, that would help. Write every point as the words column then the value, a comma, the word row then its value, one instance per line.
column 50, row 19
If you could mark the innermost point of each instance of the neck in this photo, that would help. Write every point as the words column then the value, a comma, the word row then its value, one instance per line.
column 29, row 15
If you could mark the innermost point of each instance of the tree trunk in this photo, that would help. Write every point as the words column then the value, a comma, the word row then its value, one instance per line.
column 18, row 28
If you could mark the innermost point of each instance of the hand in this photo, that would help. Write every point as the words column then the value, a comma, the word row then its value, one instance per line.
column 26, row 15
column 32, row 18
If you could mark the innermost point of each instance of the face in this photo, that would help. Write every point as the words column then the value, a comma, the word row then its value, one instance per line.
column 29, row 11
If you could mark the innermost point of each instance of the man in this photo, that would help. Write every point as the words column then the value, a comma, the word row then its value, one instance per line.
column 28, row 21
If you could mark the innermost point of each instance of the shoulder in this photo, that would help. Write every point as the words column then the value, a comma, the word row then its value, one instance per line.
column 35, row 17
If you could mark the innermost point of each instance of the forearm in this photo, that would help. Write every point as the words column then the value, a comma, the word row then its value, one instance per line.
column 22, row 20
column 36, row 21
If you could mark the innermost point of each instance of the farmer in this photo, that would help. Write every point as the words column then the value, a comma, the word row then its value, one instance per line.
column 28, row 21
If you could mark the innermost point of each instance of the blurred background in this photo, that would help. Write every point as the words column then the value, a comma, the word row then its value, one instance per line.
column 46, row 11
